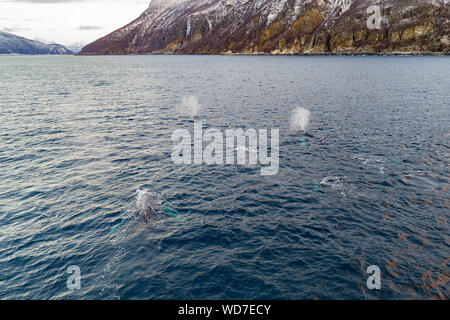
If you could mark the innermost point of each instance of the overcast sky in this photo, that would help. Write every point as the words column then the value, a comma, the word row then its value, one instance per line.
column 67, row 21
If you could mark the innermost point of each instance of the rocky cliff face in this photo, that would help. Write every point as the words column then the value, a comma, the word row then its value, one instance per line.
column 283, row 27
column 12, row 44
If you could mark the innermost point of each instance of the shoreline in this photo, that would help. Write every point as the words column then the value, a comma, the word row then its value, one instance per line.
column 360, row 54
column 395, row 54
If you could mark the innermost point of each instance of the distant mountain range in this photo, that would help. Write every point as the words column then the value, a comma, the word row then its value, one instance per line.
column 12, row 44
column 75, row 47
column 283, row 27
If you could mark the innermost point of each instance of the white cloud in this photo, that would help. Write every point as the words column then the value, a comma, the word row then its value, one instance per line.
column 68, row 21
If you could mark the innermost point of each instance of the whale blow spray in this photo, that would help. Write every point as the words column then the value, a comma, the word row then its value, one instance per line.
column 190, row 106
column 300, row 119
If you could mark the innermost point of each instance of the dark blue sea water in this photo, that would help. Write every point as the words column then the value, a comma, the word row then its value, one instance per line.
column 79, row 136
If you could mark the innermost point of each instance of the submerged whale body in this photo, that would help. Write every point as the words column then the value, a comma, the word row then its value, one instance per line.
column 147, row 204
column 303, row 134
column 306, row 134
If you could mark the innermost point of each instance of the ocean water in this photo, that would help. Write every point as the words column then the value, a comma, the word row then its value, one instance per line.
column 79, row 136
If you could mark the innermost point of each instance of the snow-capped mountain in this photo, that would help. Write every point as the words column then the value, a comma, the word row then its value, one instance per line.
column 12, row 44
column 283, row 27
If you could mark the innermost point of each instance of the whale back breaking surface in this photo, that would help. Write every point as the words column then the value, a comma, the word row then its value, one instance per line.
column 147, row 204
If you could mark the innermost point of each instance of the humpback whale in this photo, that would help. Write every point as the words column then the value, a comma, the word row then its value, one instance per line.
column 305, row 134
column 147, row 204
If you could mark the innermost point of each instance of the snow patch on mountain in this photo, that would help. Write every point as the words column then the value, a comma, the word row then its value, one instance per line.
column 275, row 10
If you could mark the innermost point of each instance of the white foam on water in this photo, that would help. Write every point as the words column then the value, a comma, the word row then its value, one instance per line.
column 339, row 184
column 372, row 162
column 333, row 182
